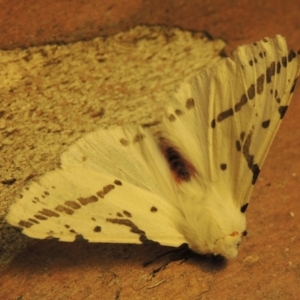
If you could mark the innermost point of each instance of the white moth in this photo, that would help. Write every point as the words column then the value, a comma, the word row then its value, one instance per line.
column 192, row 184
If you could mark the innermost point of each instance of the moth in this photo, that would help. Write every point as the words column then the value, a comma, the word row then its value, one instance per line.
column 191, row 183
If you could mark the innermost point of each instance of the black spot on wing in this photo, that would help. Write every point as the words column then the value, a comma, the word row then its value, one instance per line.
column 213, row 123
column 291, row 55
column 124, row 142
column 171, row 118
column 178, row 112
column 87, row 200
column 251, row 92
column 282, row 110
column 133, row 228
column 238, row 145
column 242, row 135
column 41, row 218
column 33, row 220
column 255, row 170
column 48, row 213
column 223, row 167
column 260, row 84
column 270, row 72
column 105, row 190
column 244, row 207
column 284, row 61
column 242, row 102
column 293, row 86
column 190, row 103
column 72, row 204
column 63, row 209
column 97, row 229
column 250, row 158
column 225, row 114
column 278, row 68
column 25, row 224
column 127, row 213
column 265, row 124
column 153, row 209
column 138, row 138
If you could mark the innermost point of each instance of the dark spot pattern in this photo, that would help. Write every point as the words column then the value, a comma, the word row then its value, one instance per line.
column 138, row 137
column 119, row 215
column 291, row 55
column 238, row 145
column 242, row 102
column 124, row 142
column 190, row 103
column 171, row 118
column 97, row 229
column 153, row 209
column 245, row 148
column 255, row 171
column 118, row 182
column 39, row 217
column 242, row 135
column 251, row 92
column 33, row 221
column 178, row 112
column 244, row 233
column 282, row 110
column 225, row 114
column 223, row 167
column 244, row 207
column 284, row 61
column 48, row 213
column 293, row 86
column 265, row 124
column 106, row 189
column 72, row 204
column 25, row 224
column 260, row 84
column 133, row 228
column 66, row 210
column 213, row 123
column 278, row 68
column 270, row 72
column 87, row 200
column 127, row 213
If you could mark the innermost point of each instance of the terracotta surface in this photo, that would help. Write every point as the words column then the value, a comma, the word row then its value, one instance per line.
column 268, row 265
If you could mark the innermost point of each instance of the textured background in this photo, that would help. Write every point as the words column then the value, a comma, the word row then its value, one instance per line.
column 268, row 265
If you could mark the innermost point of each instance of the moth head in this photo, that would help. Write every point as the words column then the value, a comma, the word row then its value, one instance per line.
column 214, row 225
column 228, row 245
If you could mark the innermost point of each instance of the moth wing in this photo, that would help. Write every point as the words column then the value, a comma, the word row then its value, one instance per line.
column 225, row 119
column 104, row 191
